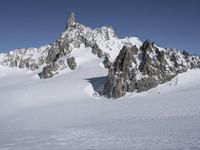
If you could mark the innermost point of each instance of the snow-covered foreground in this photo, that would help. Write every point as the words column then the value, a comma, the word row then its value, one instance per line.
column 64, row 113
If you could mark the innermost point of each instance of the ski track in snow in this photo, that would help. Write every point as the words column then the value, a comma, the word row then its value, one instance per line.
column 65, row 113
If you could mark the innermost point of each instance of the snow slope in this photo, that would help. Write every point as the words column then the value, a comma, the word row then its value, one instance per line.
column 64, row 112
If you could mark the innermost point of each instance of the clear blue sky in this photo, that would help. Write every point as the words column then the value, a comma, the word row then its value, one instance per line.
column 33, row 23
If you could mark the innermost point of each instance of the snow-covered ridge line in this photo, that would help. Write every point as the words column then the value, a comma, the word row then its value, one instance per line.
column 57, row 56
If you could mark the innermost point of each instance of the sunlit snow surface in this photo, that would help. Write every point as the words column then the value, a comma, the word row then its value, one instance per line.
column 65, row 113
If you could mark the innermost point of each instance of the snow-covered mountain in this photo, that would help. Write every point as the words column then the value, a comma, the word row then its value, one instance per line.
column 58, row 56
column 133, row 65
column 67, row 112
column 140, row 69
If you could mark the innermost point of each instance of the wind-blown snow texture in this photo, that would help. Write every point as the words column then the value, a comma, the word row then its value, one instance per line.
column 66, row 112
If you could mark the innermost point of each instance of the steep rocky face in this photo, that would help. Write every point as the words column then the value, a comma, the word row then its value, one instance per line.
column 49, row 71
column 119, row 74
column 142, row 69
column 71, row 20
column 97, row 51
column 56, row 59
column 72, row 63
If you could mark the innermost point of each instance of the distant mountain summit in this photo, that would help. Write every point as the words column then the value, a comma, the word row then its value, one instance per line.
column 71, row 21
column 132, row 64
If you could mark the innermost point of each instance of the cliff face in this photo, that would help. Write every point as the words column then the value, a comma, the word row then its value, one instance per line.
column 140, row 69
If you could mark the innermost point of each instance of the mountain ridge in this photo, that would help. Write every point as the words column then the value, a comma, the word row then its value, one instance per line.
column 132, row 64
column 102, row 41
column 138, row 70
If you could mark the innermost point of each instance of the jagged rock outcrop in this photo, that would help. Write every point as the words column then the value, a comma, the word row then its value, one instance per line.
column 186, row 54
column 97, row 51
column 142, row 69
column 71, row 21
column 106, row 62
column 54, row 67
column 72, row 63
column 119, row 73
column 49, row 71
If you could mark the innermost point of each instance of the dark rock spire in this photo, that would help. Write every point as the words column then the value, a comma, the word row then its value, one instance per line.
column 71, row 20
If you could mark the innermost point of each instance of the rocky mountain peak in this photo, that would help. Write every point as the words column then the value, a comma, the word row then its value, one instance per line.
column 70, row 21
column 133, row 66
column 137, row 70
column 118, row 74
column 148, row 46
column 57, row 56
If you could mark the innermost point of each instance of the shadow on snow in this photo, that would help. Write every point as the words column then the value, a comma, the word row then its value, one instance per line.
column 97, row 83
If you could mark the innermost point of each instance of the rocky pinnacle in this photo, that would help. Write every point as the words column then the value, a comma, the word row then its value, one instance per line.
column 71, row 20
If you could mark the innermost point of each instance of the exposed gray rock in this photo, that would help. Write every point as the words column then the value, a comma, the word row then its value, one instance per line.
column 145, row 84
column 34, row 67
column 71, row 21
column 186, row 54
column 161, row 56
column 72, row 63
column 87, row 43
column 13, row 63
column 28, row 65
column 97, row 51
column 61, row 62
column 142, row 69
column 53, row 54
column 148, row 45
column 40, row 62
column 106, row 62
column 134, row 49
column 119, row 73
column 49, row 71
column 22, row 63
column 145, row 66
column 114, row 87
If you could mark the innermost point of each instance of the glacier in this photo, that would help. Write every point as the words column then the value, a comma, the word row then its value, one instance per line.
column 66, row 111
